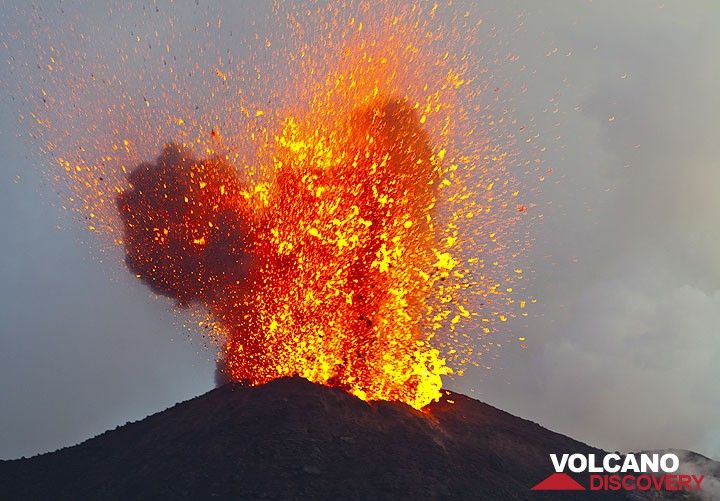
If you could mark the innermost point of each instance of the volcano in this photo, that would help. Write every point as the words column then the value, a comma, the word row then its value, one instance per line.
column 292, row 439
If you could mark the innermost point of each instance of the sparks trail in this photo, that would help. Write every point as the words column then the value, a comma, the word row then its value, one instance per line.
column 324, row 271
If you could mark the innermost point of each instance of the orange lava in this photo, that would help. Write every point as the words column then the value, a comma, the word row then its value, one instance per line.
column 344, row 205
column 323, row 272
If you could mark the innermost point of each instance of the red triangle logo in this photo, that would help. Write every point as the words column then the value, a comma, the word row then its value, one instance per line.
column 558, row 482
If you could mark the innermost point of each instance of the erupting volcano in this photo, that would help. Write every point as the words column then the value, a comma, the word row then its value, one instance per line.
column 324, row 271
column 345, row 209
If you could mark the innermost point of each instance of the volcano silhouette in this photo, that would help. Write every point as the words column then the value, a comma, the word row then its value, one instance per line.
column 292, row 439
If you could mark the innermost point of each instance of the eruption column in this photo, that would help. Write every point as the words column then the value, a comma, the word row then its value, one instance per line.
column 324, row 270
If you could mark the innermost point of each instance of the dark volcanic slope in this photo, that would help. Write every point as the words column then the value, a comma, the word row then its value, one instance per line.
column 292, row 439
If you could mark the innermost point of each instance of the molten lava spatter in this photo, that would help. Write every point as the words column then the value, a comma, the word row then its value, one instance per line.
column 323, row 272
column 344, row 200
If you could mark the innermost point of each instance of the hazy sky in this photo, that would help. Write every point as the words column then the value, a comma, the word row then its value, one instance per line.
column 624, row 342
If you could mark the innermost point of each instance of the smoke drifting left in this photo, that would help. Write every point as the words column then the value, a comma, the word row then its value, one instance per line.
column 183, row 230
column 183, row 237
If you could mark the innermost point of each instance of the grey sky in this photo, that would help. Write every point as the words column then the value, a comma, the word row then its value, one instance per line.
column 624, row 342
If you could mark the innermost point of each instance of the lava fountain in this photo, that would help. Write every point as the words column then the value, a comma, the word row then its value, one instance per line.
column 353, row 220
column 324, row 271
